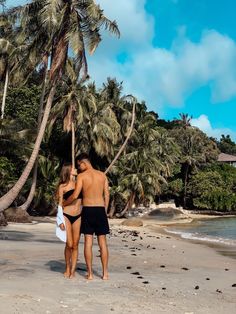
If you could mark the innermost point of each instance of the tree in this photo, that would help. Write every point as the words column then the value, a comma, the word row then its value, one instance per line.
column 226, row 145
column 207, row 195
column 144, row 167
column 196, row 150
column 74, row 21
column 126, row 140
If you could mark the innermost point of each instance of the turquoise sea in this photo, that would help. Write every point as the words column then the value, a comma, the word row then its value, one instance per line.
column 218, row 230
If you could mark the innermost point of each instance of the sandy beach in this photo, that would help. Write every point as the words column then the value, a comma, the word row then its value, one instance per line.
column 150, row 272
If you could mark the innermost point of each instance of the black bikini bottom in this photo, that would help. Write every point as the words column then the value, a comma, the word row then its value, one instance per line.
column 72, row 219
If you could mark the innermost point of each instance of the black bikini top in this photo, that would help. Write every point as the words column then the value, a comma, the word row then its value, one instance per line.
column 69, row 193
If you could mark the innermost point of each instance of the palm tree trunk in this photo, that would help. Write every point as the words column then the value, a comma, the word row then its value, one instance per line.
column 5, row 93
column 128, row 205
column 112, row 209
column 125, row 142
column 57, row 67
column 40, row 116
column 73, row 144
column 7, row 199
column 185, row 185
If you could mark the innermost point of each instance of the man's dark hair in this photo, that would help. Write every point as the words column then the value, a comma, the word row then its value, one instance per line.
column 82, row 156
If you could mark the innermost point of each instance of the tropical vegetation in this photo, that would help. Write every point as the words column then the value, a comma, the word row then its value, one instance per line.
column 51, row 112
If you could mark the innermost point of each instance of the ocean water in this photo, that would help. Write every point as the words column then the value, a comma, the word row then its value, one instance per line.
column 217, row 230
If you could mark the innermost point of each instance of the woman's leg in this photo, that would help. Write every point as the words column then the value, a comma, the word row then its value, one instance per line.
column 76, row 237
column 68, row 247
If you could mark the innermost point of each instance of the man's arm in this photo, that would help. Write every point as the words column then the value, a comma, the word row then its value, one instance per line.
column 74, row 196
column 106, row 193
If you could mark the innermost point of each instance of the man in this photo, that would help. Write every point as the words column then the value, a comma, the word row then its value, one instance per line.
column 94, row 186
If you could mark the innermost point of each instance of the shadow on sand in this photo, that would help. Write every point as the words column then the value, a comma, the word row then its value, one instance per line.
column 59, row 267
column 10, row 235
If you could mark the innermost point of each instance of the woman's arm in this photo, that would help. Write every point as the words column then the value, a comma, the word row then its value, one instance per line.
column 60, row 202
column 60, row 195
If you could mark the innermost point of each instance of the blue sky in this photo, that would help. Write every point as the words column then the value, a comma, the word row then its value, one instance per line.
column 177, row 55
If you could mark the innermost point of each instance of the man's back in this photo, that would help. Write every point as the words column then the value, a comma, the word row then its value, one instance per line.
column 93, row 187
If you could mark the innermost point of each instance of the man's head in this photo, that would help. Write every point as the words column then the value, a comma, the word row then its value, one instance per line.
column 83, row 161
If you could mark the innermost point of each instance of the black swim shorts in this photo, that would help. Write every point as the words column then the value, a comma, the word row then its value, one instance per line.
column 94, row 220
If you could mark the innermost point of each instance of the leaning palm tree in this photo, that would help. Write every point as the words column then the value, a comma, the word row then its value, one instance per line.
column 75, row 22
column 123, row 146
column 31, row 194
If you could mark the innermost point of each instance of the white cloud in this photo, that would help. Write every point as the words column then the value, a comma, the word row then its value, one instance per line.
column 162, row 76
column 203, row 123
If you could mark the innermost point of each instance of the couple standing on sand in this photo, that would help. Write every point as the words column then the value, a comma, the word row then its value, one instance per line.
column 83, row 209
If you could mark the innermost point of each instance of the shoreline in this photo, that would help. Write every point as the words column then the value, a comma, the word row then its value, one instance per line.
column 223, row 247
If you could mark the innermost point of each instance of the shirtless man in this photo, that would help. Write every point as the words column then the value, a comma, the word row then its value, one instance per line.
column 95, row 190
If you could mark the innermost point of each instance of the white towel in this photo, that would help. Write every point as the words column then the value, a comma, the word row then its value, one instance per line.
column 61, row 234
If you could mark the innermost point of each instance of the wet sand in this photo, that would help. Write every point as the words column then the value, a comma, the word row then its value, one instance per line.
column 150, row 272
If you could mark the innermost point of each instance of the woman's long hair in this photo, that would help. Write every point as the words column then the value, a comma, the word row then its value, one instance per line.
column 65, row 173
column 64, row 177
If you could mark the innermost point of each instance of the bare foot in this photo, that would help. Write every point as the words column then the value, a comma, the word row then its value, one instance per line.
column 72, row 275
column 67, row 274
column 89, row 277
column 105, row 277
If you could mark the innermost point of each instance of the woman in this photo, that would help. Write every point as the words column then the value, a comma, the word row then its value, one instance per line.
column 72, row 219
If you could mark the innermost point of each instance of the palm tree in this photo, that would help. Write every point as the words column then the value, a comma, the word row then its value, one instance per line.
column 9, row 57
column 76, row 22
column 69, row 105
column 121, row 106
column 141, row 178
column 31, row 194
column 100, row 130
column 196, row 149
column 123, row 146
column 185, row 120
column 140, row 171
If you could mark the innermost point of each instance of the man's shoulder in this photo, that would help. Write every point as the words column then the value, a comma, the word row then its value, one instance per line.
column 80, row 175
column 90, row 172
column 100, row 172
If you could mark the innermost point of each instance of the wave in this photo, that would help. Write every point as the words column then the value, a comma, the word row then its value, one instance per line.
column 201, row 237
